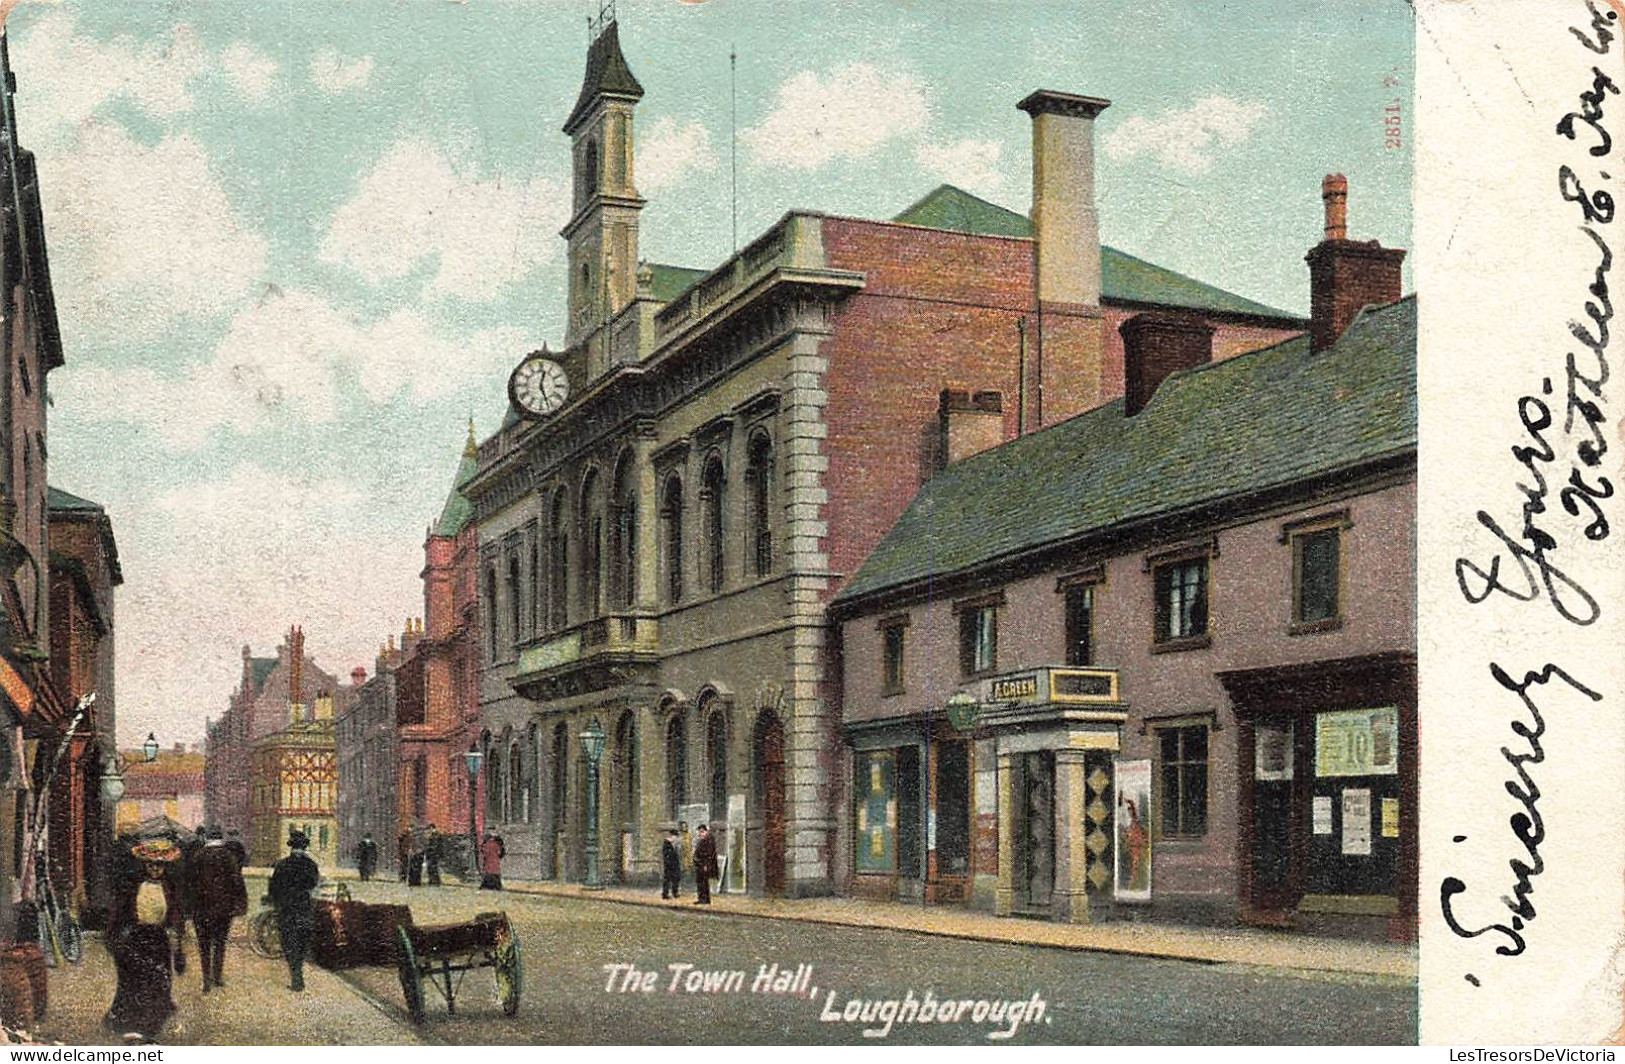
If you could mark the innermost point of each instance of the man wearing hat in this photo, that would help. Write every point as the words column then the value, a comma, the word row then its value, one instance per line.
column 292, row 880
column 220, row 896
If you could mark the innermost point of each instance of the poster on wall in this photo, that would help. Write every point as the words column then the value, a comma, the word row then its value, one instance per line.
column 1356, row 822
column 1390, row 818
column 1272, row 752
column 734, row 875
column 1357, row 742
column 1323, row 814
column 1131, row 879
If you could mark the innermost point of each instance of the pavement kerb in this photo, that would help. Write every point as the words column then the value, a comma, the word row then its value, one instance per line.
column 1284, row 951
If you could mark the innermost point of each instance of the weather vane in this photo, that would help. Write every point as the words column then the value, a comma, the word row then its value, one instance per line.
column 606, row 15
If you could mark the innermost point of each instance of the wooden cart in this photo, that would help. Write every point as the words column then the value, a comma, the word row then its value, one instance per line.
column 351, row 934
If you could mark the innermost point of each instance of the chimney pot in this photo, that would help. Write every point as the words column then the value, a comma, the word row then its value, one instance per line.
column 1334, row 190
column 1155, row 347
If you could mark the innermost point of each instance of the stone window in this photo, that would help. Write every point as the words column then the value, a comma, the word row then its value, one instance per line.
column 676, row 764
column 1182, row 765
column 592, row 545
column 759, row 503
column 558, row 565
column 623, row 536
column 712, row 506
column 893, row 641
column 1317, row 572
column 979, row 635
column 1181, row 590
column 1080, row 624
column 671, row 529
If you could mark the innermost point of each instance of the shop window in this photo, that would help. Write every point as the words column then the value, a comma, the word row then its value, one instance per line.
column 1316, row 574
column 978, row 639
column 1184, row 781
column 875, row 816
column 953, row 796
column 1080, row 624
column 1181, row 589
column 892, row 643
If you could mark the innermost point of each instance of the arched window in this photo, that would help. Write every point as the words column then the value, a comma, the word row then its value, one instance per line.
column 676, row 764
column 558, row 564
column 516, row 784
column 716, row 755
column 759, row 504
column 491, row 610
column 671, row 529
column 711, row 505
column 623, row 520
column 626, row 767
column 592, row 545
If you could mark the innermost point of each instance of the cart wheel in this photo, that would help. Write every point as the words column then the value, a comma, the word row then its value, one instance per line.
column 264, row 935
column 406, row 960
column 510, row 973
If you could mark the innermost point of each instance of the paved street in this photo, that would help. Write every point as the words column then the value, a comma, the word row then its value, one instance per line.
column 1089, row 997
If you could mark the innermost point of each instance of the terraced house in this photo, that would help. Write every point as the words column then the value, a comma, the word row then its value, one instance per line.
column 1161, row 657
column 676, row 495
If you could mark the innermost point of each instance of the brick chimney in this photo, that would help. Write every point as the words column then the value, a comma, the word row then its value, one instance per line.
column 1069, row 340
column 296, row 664
column 968, row 424
column 358, row 676
column 1346, row 275
column 1155, row 347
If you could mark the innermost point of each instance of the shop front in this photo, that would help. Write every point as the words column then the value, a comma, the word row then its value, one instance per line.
column 1328, row 793
column 912, row 814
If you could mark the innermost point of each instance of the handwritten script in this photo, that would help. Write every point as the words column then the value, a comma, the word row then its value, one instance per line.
column 1560, row 447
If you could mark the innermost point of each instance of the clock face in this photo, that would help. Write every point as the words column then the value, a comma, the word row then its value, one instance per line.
column 538, row 386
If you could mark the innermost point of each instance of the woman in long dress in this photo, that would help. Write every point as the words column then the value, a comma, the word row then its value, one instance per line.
column 146, row 911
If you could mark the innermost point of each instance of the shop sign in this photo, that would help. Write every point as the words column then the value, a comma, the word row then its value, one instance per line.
column 1356, row 822
column 1010, row 688
column 1390, row 818
column 1359, row 742
column 1131, row 878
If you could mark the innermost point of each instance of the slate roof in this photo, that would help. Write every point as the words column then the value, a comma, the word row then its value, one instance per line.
column 672, row 281
column 66, row 502
column 607, row 75
column 1260, row 420
column 1123, row 277
column 458, row 511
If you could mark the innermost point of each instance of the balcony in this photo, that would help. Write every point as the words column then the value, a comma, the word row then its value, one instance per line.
column 603, row 652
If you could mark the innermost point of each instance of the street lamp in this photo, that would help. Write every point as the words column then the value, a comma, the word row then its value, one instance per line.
column 150, row 747
column 473, row 758
column 592, row 745
column 112, row 780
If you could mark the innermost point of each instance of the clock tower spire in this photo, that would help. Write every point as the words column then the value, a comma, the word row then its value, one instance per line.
column 602, row 233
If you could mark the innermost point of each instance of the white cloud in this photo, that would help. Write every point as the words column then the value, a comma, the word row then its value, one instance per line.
column 1186, row 140
column 848, row 114
column 669, row 152
column 239, row 560
column 285, row 358
column 416, row 206
column 143, row 236
column 250, row 71
column 973, row 165
column 335, row 74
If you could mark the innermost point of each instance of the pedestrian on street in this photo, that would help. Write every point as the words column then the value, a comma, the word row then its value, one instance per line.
column 403, row 853
column 433, row 851
column 234, row 843
column 292, row 880
column 671, row 866
column 146, row 912
column 705, row 865
column 221, row 897
column 492, row 851
column 414, row 873
column 366, row 856
column 186, row 875
column 685, row 850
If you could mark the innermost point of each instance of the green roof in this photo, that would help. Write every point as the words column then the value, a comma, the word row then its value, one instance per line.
column 1123, row 277
column 457, row 512
column 672, row 281
column 1265, row 419
column 62, row 501
column 607, row 75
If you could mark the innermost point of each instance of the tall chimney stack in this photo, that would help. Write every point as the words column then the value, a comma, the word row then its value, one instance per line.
column 1069, row 340
column 1346, row 275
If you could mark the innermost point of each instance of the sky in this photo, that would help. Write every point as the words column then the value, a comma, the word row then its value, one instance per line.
column 296, row 247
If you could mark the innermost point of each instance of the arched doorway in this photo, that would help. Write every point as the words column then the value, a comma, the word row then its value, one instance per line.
column 767, row 786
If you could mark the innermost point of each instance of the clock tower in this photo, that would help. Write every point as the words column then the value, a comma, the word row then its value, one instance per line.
column 603, row 229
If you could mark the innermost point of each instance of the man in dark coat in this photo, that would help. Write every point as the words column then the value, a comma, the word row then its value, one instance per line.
column 705, row 865
column 366, row 856
column 234, row 843
column 220, row 896
column 434, row 851
column 292, row 880
column 671, row 866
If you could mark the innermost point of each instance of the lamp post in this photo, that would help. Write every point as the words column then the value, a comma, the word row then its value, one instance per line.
column 150, row 747
column 592, row 745
column 473, row 758
column 112, row 781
